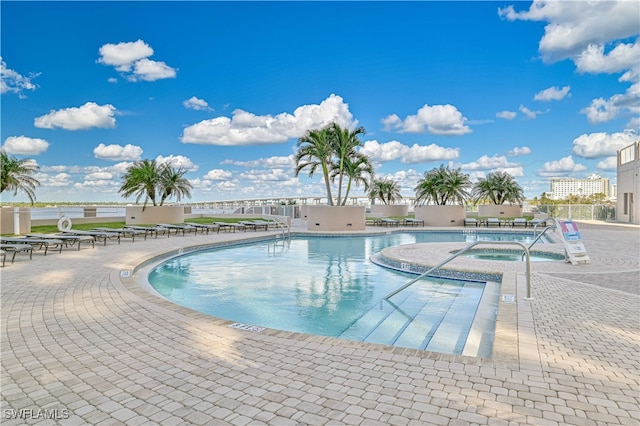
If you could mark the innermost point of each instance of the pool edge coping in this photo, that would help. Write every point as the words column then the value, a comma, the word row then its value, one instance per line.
column 126, row 280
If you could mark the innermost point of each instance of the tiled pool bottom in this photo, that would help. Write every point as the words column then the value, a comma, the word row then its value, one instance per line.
column 329, row 287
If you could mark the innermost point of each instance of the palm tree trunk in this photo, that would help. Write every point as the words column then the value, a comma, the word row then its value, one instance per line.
column 325, row 171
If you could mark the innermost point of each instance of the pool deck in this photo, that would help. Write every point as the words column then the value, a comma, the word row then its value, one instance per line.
column 84, row 343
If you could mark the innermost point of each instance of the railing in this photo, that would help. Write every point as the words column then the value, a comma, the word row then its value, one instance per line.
column 464, row 250
column 285, row 227
column 538, row 237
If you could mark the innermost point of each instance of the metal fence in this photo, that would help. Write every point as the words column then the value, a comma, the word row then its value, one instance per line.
column 579, row 211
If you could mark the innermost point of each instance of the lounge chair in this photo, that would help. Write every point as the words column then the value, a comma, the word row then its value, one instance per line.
column 204, row 227
column 4, row 256
column 151, row 230
column 539, row 221
column 519, row 221
column 15, row 248
column 124, row 232
column 178, row 228
column 409, row 221
column 471, row 221
column 230, row 226
column 98, row 235
column 255, row 224
column 69, row 240
column 492, row 221
column 389, row 222
column 41, row 243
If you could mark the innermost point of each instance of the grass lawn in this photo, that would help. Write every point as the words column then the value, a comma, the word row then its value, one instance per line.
column 52, row 229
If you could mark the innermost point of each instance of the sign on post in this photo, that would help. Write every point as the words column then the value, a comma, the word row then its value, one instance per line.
column 572, row 239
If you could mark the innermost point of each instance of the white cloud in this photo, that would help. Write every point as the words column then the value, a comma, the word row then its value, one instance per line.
column 79, row 118
column 552, row 94
column 148, row 70
column 218, row 174
column 599, row 145
column 575, row 25
column 197, row 104
column 436, row 119
column 99, row 176
column 57, row 180
column 532, row 115
column 594, row 60
column 561, row 167
column 24, row 145
column 179, row 161
column 13, row 82
column 507, row 115
column 518, row 151
column 495, row 163
column 245, row 128
column 117, row 152
column 266, row 175
column 601, row 110
column 270, row 162
column 395, row 150
column 609, row 163
column 131, row 59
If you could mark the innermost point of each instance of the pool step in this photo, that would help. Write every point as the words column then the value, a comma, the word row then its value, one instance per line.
column 424, row 317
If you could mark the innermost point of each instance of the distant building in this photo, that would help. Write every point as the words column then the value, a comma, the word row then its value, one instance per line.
column 628, row 181
column 562, row 188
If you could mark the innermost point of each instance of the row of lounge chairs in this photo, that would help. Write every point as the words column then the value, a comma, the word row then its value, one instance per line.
column 76, row 238
column 408, row 221
column 494, row 221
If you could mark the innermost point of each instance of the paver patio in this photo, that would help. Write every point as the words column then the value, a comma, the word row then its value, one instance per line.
column 84, row 344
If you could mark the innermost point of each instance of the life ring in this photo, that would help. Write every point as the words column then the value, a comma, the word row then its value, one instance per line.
column 64, row 224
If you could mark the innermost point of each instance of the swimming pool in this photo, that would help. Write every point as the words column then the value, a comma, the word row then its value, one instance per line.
column 328, row 286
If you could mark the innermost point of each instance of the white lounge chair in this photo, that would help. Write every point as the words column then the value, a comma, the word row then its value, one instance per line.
column 15, row 248
column 69, row 240
column 519, row 221
column 492, row 221
column 40, row 242
column 471, row 221
column 204, row 227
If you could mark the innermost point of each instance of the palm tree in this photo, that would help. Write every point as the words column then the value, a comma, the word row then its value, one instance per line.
column 386, row 190
column 315, row 150
column 142, row 178
column 498, row 188
column 172, row 183
column 344, row 143
column 443, row 186
column 17, row 175
column 358, row 169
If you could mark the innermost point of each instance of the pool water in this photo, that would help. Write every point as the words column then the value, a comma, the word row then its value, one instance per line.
column 327, row 286
column 512, row 255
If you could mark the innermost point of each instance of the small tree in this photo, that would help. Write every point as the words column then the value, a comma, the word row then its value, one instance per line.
column 358, row 169
column 498, row 188
column 386, row 190
column 17, row 175
column 333, row 149
column 148, row 179
column 442, row 186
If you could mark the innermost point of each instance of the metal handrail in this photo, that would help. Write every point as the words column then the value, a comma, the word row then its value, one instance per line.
column 286, row 227
column 538, row 238
column 552, row 219
column 450, row 258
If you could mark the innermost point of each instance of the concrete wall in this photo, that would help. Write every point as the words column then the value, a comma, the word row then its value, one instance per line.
column 391, row 209
column 628, row 181
column 500, row 210
column 335, row 218
column 154, row 214
column 7, row 223
column 441, row 215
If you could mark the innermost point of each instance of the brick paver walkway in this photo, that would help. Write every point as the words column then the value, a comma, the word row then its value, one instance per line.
column 83, row 345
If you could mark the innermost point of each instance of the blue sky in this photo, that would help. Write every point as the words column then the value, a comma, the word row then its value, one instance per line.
column 224, row 89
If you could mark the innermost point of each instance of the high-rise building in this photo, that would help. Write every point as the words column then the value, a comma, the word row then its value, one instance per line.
column 562, row 188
